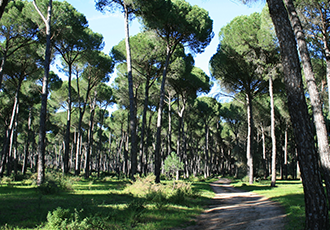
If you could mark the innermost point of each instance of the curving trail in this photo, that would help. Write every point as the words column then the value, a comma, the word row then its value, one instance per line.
column 235, row 209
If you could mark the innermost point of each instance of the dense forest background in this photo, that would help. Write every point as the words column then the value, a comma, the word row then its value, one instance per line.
column 157, row 90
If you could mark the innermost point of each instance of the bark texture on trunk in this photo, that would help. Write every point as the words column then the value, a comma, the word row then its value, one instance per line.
column 316, row 102
column 43, row 111
column 315, row 200
column 272, row 112
column 132, row 107
column 159, row 117
column 68, row 127
column 27, row 142
column 249, row 145
column 90, row 137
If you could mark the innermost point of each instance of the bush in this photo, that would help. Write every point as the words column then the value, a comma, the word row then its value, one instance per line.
column 63, row 219
column 172, row 164
column 181, row 192
column 142, row 185
column 135, row 210
column 54, row 184
column 6, row 180
column 158, row 198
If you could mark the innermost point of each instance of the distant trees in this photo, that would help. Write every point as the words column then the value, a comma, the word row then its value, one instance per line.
column 176, row 22
column 23, row 40
column 285, row 27
column 128, row 10
column 156, row 78
column 241, row 63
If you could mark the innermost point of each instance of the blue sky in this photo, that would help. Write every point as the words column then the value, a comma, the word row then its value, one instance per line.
column 111, row 25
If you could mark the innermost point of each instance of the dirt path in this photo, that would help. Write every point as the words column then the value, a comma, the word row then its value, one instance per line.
column 236, row 210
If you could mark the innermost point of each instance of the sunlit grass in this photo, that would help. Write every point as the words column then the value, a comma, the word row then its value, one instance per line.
column 107, row 202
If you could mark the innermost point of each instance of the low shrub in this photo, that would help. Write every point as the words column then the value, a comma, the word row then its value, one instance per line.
column 55, row 184
column 63, row 219
column 135, row 209
column 158, row 198
column 181, row 192
column 6, row 180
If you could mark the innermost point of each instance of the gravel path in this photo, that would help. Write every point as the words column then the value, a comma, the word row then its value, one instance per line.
column 235, row 209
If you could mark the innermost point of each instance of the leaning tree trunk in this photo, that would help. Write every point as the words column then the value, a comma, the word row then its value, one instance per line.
column 5, row 153
column 12, row 138
column 316, row 102
column 316, row 209
column 43, row 111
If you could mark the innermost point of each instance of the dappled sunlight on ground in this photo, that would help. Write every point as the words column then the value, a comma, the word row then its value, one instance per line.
column 235, row 209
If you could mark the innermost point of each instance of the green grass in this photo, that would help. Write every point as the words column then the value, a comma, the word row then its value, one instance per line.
column 104, row 204
column 109, row 203
column 288, row 193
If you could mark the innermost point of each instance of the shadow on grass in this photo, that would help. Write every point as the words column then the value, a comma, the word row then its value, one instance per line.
column 294, row 205
column 288, row 182
column 28, row 208
column 25, row 207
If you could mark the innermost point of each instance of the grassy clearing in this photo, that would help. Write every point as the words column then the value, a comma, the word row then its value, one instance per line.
column 107, row 203
column 289, row 193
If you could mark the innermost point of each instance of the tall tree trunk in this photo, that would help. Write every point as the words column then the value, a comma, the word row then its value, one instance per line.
column 132, row 106
column 264, row 158
column 285, row 148
column 5, row 153
column 27, row 142
column 159, row 117
column 147, row 145
column 80, row 131
column 321, row 129
column 315, row 200
column 326, row 44
column 272, row 130
column 68, row 125
column 121, row 143
column 2, row 66
column 13, row 136
column 143, row 126
column 249, row 145
column 90, row 137
column 180, row 134
column 169, row 131
column 43, row 111
column 206, row 151
column 99, row 144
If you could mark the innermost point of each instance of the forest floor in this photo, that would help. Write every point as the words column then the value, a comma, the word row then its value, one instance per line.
column 233, row 208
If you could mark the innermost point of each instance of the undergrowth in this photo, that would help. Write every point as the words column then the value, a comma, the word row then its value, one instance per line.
column 99, row 203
